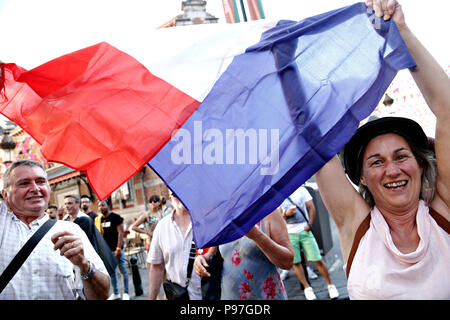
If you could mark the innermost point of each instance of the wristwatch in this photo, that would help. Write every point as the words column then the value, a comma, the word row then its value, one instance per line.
column 90, row 272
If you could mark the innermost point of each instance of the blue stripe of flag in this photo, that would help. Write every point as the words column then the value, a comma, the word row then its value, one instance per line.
column 311, row 81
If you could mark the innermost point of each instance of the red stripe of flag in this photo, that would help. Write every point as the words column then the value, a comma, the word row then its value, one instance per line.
column 97, row 109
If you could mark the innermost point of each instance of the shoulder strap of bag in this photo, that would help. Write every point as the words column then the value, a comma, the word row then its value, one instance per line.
column 23, row 254
column 301, row 211
column 440, row 220
column 190, row 266
column 360, row 232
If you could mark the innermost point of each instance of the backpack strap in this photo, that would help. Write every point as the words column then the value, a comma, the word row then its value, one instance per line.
column 360, row 232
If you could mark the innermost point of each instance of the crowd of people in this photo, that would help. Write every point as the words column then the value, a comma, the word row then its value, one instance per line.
column 259, row 256
column 390, row 201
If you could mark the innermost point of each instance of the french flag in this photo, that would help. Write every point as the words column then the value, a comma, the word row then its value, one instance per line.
column 233, row 117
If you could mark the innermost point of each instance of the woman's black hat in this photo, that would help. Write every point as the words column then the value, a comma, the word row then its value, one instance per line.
column 354, row 149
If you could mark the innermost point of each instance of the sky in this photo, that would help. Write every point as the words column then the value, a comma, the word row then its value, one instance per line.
column 29, row 26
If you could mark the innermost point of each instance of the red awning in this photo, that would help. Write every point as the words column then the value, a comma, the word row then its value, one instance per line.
column 64, row 177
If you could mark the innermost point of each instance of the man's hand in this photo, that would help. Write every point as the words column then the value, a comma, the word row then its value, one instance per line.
column 71, row 247
column 290, row 212
column 118, row 252
column 200, row 265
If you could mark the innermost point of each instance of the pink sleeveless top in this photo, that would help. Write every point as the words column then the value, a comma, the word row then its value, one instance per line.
column 380, row 271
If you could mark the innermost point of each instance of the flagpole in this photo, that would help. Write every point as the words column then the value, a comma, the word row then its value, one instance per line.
column 243, row 10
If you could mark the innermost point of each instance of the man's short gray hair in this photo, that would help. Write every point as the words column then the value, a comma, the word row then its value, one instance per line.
column 16, row 164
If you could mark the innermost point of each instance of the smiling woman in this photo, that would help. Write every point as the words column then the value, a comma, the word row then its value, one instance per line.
column 413, row 145
column 395, row 233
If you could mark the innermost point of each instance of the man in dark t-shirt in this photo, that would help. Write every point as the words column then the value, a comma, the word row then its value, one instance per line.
column 112, row 225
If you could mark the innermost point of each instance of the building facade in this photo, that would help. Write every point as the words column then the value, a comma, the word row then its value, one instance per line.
column 129, row 200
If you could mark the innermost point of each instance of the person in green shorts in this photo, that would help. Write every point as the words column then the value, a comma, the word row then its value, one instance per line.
column 299, row 212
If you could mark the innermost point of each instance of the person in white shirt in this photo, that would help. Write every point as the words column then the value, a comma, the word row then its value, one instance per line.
column 63, row 265
column 169, row 252
column 72, row 206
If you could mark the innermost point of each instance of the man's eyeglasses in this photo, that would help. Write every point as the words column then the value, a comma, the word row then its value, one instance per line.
column 153, row 200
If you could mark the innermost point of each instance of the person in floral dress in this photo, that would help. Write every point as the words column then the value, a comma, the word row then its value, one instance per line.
column 149, row 219
column 250, row 263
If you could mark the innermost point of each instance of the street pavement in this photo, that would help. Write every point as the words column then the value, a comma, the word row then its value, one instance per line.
column 333, row 259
